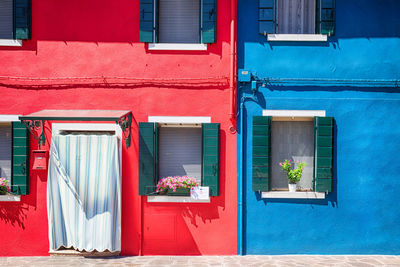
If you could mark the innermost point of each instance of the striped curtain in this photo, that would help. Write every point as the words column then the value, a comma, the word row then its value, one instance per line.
column 84, row 193
column 296, row 16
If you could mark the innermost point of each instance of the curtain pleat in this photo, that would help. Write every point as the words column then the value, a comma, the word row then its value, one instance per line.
column 84, row 193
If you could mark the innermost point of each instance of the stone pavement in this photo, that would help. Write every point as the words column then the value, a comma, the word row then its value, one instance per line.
column 207, row 261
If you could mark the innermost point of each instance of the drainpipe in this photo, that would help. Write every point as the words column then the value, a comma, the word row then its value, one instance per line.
column 232, row 61
column 242, row 173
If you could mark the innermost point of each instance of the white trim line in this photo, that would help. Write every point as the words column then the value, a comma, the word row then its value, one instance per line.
column 298, row 37
column 8, row 118
column 58, row 127
column 298, row 195
column 176, row 199
column 10, row 198
column 293, row 113
column 182, row 47
column 10, row 42
column 179, row 119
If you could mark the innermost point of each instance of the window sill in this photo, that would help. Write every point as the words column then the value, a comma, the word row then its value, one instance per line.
column 294, row 195
column 179, row 47
column 176, row 199
column 12, row 198
column 10, row 42
column 298, row 37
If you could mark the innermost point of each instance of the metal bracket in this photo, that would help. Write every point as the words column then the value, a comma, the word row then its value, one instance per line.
column 125, row 124
column 36, row 125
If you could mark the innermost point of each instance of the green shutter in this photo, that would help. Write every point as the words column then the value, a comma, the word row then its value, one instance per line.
column 22, row 21
column 20, row 159
column 210, row 157
column 323, row 153
column 325, row 18
column 146, row 20
column 209, row 21
column 261, row 153
column 266, row 17
column 147, row 157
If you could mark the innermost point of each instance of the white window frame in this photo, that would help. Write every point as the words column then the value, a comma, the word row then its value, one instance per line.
column 177, row 46
column 10, row 42
column 293, row 114
column 9, row 119
column 297, row 37
column 181, row 47
column 183, row 121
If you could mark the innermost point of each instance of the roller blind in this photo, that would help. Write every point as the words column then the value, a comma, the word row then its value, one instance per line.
column 180, row 152
column 179, row 21
column 6, row 19
column 5, row 152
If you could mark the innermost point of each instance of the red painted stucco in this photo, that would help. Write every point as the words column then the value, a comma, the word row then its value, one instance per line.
column 101, row 39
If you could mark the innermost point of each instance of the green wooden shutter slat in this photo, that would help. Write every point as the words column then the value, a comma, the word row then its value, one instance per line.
column 261, row 155
column 266, row 16
column 323, row 153
column 22, row 21
column 210, row 156
column 146, row 20
column 325, row 17
column 20, row 159
column 209, row 21
column 147, row 157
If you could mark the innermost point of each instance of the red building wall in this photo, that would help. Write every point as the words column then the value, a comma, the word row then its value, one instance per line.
column 99, row 38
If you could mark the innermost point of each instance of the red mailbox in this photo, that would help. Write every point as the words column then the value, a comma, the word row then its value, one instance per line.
column 39, row 160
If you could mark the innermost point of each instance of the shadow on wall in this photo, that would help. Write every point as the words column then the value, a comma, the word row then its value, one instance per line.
column 14, row 214
column 330, row 199
column 99, row 21
column 354, row 19
column 368, row 18
column 171, row 228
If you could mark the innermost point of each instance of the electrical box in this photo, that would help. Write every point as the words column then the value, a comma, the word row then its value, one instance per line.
column 39, row 160
column 244, row 75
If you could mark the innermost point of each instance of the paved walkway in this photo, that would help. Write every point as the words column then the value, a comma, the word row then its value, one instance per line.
column 206, row 261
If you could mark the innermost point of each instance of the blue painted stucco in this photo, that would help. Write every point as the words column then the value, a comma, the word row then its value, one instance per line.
column 362, row 214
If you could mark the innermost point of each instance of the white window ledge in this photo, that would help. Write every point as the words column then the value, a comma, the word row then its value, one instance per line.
column 10, row 198
column 179, row 119
column 9, row 118
column 181, row 47
column 10, row 42
column 293, row 113
column 176, row 199
column 294, row 195
column 298, row 37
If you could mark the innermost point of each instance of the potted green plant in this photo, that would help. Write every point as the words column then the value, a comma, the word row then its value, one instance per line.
column 293, row 174
column 4, row 188
column 176, row 185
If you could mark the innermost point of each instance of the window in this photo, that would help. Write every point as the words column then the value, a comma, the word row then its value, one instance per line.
column 178, row 21
column 180, row 152
column 306, row 136
column 297, row 17
column 14, row 154
column 170, row 149
column 292, row 139
column 15, row 20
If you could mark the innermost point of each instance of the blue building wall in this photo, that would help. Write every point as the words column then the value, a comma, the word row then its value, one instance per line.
column 362, row 214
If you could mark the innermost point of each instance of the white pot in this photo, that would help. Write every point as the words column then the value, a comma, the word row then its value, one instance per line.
column 292, row 187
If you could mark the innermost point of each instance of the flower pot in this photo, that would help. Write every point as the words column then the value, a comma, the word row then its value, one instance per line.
column 179, row 192
column 292, row 187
